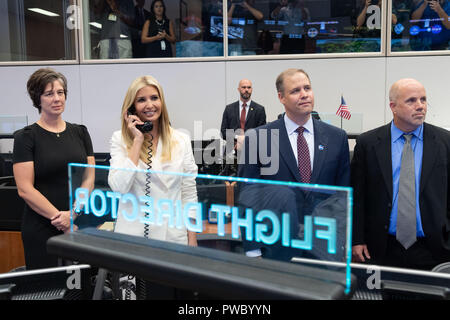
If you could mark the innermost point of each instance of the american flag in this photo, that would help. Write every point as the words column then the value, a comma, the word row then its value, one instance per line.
column 343, row 110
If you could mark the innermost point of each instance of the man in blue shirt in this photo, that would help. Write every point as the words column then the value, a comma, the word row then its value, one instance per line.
column 375, row 177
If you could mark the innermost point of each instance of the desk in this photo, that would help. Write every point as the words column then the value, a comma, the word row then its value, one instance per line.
column 217, row 274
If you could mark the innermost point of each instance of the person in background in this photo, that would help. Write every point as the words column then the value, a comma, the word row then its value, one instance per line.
column 41, row 154
column 295, row 15
column 158, row 32
column 245, row 40
column 117, row 20
column 435, row 16
column 243, row 114
column 141, row 15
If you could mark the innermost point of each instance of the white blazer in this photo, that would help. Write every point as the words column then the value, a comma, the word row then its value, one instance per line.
column 162, row 186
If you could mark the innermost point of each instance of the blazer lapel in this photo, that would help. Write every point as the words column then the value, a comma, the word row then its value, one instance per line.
column 320, row 150
column 430, row 148
column 384, row 156
column 285, row 149
column 250, row 115
column 237, row 114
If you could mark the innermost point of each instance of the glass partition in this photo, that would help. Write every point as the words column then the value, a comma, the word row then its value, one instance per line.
column 123, row 29
column 419, row 25
column 284, row 220
column 33, row 30
column 303, row 26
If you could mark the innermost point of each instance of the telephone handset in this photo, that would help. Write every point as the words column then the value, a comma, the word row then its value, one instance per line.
column 144, row 128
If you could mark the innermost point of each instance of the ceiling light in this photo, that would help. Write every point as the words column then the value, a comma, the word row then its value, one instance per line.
column 44, row 12
column 96, row 24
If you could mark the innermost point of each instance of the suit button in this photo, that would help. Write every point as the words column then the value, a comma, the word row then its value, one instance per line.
column 385, row 227
column 389, row 205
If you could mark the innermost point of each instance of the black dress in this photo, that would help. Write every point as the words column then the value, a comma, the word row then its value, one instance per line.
column 155, row 49
column 51, row 154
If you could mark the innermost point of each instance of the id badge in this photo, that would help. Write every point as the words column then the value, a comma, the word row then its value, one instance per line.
column 163, row 45
column 112, row 17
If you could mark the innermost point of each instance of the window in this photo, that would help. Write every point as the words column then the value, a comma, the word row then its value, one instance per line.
column 46, row 30
column 34, row 30
column 185, row 28
column 303, row 26
column 420, row 25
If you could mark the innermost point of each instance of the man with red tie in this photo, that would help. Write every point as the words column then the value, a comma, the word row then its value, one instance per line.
column 243, row 114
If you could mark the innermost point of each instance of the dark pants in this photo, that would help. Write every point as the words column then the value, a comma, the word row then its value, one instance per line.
column 418, row 256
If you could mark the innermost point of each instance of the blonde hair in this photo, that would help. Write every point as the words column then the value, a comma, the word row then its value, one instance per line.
column 165, row 131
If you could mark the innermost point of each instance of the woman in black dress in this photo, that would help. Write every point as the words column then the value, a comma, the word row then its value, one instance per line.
column 157, row 32
column 41, row 154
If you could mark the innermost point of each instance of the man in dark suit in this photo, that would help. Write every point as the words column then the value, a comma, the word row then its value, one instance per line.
column 243, row 114
column 382, row 211
column 317, row 154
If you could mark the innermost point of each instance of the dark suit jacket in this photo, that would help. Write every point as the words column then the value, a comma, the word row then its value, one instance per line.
column 331, row 167
column 231, row 118
column 372, row 182
column 331, row 155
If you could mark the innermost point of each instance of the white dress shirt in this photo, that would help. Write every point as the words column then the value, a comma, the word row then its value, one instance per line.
column 291, row 128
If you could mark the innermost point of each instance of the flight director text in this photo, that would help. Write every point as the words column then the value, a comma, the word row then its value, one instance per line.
column 178, row 217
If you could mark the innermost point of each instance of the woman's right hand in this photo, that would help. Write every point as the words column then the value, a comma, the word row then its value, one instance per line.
column 132, row 120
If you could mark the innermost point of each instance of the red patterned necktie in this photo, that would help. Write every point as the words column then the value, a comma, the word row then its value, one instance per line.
column 304, row 162
column 243, row 113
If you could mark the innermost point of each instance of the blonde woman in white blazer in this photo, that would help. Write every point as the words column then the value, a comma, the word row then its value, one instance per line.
column 171, row 151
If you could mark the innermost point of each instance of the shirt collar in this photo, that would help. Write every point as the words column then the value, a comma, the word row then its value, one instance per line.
column 241, row 103
column 396, row 133
column 291, row 126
